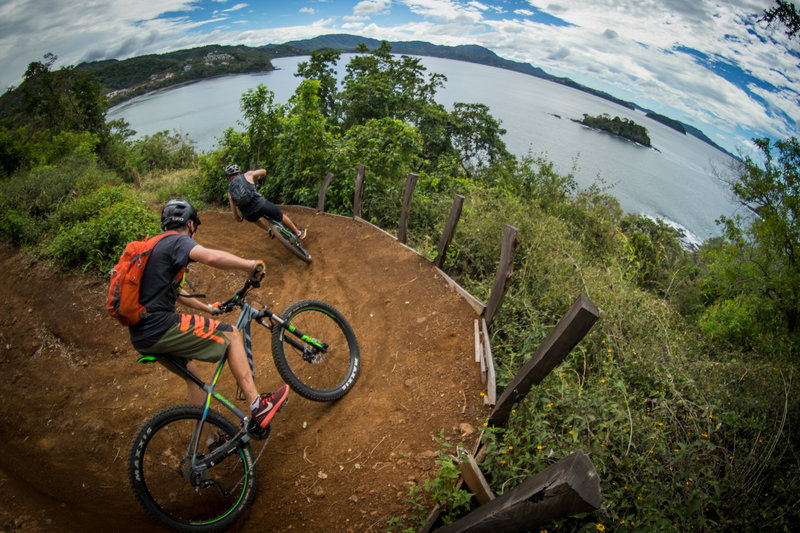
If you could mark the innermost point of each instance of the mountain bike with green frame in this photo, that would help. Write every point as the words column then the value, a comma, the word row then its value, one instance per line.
column 191, row 467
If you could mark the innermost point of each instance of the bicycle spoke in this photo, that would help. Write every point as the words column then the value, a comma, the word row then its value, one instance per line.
column 318, row 374
column 171, row 490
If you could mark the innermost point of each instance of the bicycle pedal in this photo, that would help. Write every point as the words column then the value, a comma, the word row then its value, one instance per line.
column 281, row 406
column 259, row 433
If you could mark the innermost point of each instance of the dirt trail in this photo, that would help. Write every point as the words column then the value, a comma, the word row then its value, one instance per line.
column 73, row 395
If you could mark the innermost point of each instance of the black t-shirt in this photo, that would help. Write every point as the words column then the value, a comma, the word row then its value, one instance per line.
column 159, row 289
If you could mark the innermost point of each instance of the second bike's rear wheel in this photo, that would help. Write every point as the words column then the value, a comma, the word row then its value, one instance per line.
column 324, row 375
column 290, row 241
column 158, row 467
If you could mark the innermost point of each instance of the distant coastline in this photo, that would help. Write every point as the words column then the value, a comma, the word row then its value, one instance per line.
column 128, row 78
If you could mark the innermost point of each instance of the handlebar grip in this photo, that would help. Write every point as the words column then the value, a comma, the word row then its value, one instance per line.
column 257, row 272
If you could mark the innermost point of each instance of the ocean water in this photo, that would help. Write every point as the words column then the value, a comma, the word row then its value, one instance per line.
column 681, row 180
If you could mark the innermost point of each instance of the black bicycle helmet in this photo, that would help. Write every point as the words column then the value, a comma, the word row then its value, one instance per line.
column 177, row 213
column 232, row 170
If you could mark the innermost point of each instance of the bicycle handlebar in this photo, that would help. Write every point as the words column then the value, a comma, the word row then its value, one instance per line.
column 238, row 298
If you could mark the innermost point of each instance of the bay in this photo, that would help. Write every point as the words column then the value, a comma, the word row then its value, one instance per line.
column 681, row 181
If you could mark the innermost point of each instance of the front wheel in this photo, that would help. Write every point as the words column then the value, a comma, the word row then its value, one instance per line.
column 180, row 498
column 289, row 240
column 316, row 351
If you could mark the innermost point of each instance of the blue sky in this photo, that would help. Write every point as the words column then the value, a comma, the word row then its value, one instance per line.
column 708, row 63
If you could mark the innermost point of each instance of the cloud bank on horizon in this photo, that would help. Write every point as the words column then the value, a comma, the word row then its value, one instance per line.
column 709, row 64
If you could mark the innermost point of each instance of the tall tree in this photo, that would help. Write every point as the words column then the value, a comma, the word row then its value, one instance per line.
column 322, row 67
column 301, row 156
column 476, row 135
column 262, row 121
column 379, row 85
column 62, row 100
column 758, row 265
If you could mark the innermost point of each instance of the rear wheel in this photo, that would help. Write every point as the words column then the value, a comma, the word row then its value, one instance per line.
column 324, row 364
column 183, row 499
column 289, row 240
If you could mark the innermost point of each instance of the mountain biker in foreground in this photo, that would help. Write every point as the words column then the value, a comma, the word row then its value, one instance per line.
column 244, row 198
column 194, row 337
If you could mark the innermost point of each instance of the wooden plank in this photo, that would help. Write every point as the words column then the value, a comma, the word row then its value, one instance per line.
column 579, row 319
column 476, row 304
column 568, row 487
column 478, row 343
column 449, row 229
column 475, row 480
column 359, row 191
column 504, row 271
column 491, row 378
column 402, row 230
column 483, row 365
column 323, row 190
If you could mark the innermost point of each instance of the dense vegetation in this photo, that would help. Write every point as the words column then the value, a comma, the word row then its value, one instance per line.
column 623, row 127
column 682, row 394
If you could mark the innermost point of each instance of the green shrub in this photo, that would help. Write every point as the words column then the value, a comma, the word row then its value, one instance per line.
column 163, row 151
column 19, row 228
column 730, row 321
column 29, row 200
column 92, row 238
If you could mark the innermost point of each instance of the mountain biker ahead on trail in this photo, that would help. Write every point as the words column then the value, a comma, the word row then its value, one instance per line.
column 244, row 198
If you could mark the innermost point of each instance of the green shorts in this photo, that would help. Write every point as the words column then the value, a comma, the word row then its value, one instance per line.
column 193, row 337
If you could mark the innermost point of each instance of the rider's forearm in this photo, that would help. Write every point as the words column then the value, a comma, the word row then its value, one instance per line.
column 256, row 174
column 194, row 303
column 221, row 259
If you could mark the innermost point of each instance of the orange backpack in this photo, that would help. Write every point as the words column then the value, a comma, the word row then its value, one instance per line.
column 123, row 292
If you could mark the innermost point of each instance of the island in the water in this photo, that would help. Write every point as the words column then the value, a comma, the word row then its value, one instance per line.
column 621, row 127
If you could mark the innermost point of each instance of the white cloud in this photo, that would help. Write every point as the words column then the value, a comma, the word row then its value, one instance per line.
column 479, row 6
column 307, row 10
column 445, row 11
column 237, row 7
column 371, row 7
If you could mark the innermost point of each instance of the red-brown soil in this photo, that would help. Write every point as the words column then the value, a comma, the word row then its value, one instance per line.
column 73, row 395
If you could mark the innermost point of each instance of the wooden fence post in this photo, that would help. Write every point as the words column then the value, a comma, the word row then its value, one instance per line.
column 449, row 229
column 358, row 191
column 504, row 271
column 568, row 487
column 579, row 319
column 322, row 191
column 402, row 231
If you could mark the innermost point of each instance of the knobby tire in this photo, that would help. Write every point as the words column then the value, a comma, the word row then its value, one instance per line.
column 291, row 242
column 154, row 470
column 328, row 376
